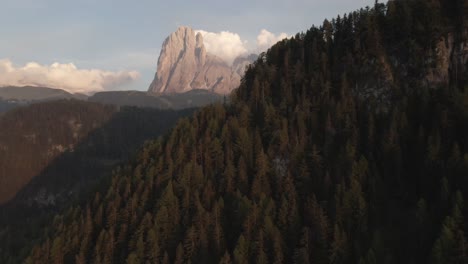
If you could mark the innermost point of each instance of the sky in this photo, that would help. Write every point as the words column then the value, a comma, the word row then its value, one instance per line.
column 94, row 45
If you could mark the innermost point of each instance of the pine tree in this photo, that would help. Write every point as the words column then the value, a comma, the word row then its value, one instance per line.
column 241, row 252
column 179, row 258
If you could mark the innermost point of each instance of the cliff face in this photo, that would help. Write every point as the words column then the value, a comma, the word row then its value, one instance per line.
column 185, row 65
column 449, row 60
column 444, row 63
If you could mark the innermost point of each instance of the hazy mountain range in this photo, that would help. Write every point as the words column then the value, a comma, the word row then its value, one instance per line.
column 12, row 97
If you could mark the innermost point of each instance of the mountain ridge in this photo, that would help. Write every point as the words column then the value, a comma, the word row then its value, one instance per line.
column 189, row 99
column 184, row 64
column 36, row 93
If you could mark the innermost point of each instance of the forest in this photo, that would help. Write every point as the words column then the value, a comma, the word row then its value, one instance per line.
column 347, row 143
column 54, row 154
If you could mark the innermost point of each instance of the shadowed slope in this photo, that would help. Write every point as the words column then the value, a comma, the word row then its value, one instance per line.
column 73, row 173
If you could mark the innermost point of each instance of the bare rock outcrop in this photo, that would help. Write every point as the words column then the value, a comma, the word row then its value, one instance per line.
column 185, row 65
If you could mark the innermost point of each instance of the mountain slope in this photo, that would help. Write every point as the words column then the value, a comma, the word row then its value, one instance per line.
column 339, row 146
column 190, row 99
column 185, row 65
column 29, row 93
column 56, row 153
column 13, row 96
column 38, row 134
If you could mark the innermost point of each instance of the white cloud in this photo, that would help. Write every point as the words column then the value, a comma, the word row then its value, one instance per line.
column 63, row 76
column 224, row 44
column 228, row 45
column 266, row 39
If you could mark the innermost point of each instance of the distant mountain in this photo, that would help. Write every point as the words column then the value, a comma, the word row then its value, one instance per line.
column 185, row 65
column 129, row 98
column 193, row 98
column 31, row 93
column 12, row 97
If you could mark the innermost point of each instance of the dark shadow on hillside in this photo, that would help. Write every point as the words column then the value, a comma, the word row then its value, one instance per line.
column 72, row 176
column 7, row 105
column 190, row 99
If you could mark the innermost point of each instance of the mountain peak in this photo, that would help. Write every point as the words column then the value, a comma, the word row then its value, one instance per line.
column 199, row 39
column 185, row 65
column 184, row 28
column 182, row 32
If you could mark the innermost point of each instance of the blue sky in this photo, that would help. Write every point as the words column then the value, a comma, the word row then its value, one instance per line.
column 126, row 36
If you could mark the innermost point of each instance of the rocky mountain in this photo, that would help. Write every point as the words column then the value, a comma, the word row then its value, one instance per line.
column 184, row 65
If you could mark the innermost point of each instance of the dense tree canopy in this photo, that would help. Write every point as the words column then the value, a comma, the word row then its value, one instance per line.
column 55, row 153
column 344, row 144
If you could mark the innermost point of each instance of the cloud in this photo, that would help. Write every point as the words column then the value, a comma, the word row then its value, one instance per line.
column 228, row 45
column 224, row 44
column 266, row 39
column 63, row 76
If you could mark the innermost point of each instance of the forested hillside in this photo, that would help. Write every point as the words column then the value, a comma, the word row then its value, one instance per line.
column 56, row 153
column 32, row 137
column 190, row 99
column 344, row 144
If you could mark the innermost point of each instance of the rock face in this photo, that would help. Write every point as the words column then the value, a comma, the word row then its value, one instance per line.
column 450, row 60
column 184, row 65
column 443, row 64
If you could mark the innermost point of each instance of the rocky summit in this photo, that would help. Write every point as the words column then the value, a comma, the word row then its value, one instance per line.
column 185, row 65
